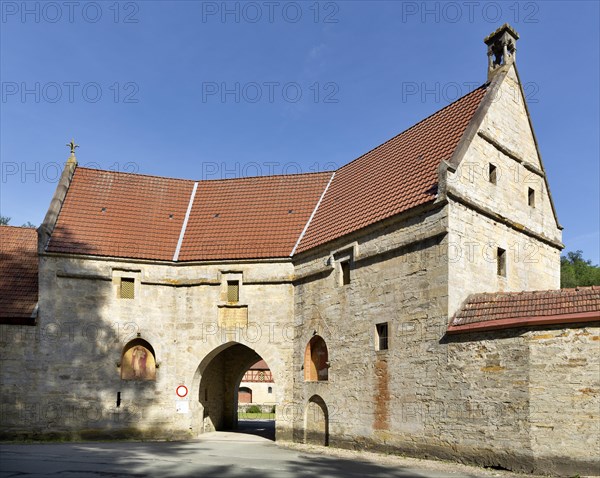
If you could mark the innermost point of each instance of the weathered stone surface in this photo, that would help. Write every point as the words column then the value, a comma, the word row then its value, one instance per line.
column 524, row 399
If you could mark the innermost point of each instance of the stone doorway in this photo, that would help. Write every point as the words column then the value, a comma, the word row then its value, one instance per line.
column 316, row 422
column 221, row 373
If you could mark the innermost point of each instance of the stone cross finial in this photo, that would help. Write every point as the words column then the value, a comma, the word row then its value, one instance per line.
column 72, row 145
column 502, row 47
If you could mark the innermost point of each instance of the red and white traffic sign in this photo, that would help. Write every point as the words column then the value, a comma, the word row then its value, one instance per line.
column 181, row 391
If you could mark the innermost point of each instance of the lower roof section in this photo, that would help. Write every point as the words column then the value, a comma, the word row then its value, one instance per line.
column 502, row 310
column 18, row 275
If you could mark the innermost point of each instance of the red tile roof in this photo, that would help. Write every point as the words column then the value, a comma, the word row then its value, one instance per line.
column 128, row 215
column 251, row 217
column 260, row 365
column 524, row 308
column 18, row 274
column 392, row 178
column 106, row 213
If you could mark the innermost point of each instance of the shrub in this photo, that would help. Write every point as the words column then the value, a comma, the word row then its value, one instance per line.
column 253, row 409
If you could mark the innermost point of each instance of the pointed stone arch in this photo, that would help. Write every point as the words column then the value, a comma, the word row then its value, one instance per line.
column 217, row 380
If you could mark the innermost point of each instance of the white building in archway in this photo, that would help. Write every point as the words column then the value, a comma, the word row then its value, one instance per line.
column 257, row 386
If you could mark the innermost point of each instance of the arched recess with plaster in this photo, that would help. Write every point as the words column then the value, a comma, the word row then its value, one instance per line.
column 138, row 361
column 316, row 360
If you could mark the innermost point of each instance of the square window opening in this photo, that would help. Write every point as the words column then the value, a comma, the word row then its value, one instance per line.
column 233, row 291
column 127, row 289
column 382, row 336
column 501, row 262
column 492, row 174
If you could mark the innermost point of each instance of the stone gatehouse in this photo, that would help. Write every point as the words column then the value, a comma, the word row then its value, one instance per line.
column 406, row 302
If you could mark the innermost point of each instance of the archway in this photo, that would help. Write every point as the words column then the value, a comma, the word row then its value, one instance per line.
column 316, row 422
column 218, row 392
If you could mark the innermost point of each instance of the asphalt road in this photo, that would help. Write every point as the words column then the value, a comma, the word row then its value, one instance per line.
column 219, row 454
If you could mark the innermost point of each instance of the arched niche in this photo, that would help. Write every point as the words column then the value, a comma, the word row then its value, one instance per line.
column 138, row 361
column 316, row 422
column 316, row 360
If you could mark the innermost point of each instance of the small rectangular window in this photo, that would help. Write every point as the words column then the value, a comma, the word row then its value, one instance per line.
column 382, row 336
column 127, row 290
column 531, row 197
column 492, row 174
column 345, row 268
column 501, row 262
column 233, row 291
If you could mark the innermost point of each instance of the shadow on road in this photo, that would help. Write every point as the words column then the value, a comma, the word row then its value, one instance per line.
column 262, row 428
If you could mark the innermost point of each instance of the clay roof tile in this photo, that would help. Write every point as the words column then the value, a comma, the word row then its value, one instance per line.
column 18, row 273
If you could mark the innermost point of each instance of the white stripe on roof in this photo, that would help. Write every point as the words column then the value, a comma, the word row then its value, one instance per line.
column 311, row 216
column 185, row 221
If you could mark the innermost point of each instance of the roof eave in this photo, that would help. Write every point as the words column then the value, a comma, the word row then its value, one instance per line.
column 511, row 323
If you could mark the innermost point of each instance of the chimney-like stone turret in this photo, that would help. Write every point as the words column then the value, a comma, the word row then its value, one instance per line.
column 502, row 48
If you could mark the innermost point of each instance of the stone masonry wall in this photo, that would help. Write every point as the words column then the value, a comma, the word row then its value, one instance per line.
column 533, row 397
column 564, row 390
column 472, row 260
column 505, row 140
column 371, row 396
column 62, row 376
column 486, row 215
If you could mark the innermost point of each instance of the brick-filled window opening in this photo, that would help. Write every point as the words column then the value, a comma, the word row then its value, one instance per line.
column 345, row 269
column 501, row 262
column 531, row 197
column 382, row 336
column 233, row 291
column 492, row 174
column 127, row 289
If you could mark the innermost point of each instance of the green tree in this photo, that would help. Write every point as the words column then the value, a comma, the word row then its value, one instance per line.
column 577, row 271
column 4, row 220
column 29, row 224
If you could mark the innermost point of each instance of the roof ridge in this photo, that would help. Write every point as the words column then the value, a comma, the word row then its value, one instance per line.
column 205, row 180
column 312, row 215
column 542, row 291
column 134, row 174
column 311, row 173
column 18, row 227
column 484, row 85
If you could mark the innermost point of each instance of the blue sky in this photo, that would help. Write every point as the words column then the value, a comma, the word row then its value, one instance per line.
column 205, row 90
